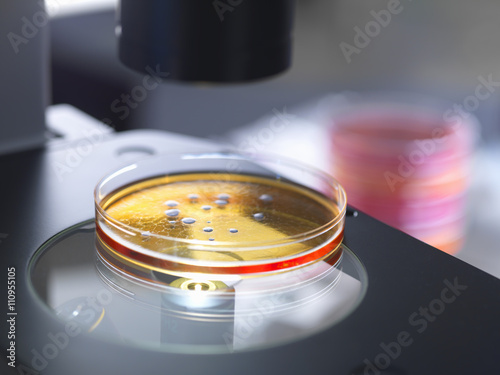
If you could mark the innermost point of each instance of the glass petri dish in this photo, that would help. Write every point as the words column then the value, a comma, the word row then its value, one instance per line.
column 221, row 215
column 206, row 253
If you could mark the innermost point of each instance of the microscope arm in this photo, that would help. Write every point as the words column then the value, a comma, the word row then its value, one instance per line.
column 24, row 72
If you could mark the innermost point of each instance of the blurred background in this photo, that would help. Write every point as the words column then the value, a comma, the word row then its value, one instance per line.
column 439, row 51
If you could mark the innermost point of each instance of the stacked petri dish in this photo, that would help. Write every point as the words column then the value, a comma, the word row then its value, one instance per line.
column 406, row 163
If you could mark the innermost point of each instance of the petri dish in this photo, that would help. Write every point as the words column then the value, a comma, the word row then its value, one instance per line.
column 405, row 161
column 207, row 254
column 217, row 214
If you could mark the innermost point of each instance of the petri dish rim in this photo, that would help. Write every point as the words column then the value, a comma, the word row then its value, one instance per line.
column 216, row 245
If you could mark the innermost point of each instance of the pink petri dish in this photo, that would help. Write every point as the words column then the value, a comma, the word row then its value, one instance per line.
column 405, row 164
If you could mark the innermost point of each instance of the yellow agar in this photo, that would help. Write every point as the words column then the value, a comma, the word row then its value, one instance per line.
column 260, row 210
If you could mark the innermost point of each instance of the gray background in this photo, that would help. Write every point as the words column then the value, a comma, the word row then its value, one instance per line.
column 433, row 47
column 436, row 48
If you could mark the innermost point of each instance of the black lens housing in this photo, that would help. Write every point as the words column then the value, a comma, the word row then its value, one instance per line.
column 206, row 40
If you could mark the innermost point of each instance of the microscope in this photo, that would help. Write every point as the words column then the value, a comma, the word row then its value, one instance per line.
column 418, row 311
